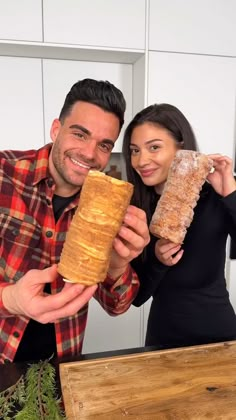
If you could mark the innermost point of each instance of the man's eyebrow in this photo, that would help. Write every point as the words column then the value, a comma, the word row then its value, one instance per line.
column 80, row 127
column 86, row 131
column 108, row 141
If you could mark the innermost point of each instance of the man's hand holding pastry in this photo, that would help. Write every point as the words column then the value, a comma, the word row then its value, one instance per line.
column 132, row 238
column 27, row 297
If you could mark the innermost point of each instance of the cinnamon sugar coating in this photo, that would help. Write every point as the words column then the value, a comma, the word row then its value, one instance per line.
column 175, row 208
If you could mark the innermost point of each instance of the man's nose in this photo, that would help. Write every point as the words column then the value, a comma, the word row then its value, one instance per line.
column 90, row 149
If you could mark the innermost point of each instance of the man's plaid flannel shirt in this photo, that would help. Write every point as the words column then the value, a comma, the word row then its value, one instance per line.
column 30, row 239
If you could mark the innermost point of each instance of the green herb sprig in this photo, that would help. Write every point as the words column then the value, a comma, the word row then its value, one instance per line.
column 33, row 397
column 12, row 397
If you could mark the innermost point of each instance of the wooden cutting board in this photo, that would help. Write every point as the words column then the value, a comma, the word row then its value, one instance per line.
column 189, row 383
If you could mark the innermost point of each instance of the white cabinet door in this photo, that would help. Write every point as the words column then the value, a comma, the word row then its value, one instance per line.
column 203, row 26
column 21, row 20
column 60, row 75
column 203, row 88
column 104, row 332
column 21, row 104
column 103, row 23
column 232, row 282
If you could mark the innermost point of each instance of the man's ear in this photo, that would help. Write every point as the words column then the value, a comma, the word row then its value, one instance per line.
column 55, row 128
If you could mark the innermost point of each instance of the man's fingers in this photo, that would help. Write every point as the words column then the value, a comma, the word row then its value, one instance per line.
column 137, row 221
column 48, row 275
column 121, row 248
column 65, row 296
column 134, row 239
column 71, row 307
column 136, row 211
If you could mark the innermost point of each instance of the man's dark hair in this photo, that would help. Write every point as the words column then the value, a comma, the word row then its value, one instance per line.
column 98, row 92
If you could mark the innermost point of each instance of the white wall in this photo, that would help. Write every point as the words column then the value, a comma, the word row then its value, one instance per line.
column 21, row 103
column 203, row 87
column 194, row 27
column 174, row 51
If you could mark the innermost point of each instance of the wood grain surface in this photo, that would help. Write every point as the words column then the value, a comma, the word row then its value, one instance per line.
column 188, row 383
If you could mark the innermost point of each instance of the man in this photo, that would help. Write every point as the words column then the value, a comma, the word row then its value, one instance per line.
column 39, row 190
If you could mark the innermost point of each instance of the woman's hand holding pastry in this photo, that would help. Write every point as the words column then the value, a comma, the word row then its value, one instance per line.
column 132, row 238
column 222, row 179
column 167, row 252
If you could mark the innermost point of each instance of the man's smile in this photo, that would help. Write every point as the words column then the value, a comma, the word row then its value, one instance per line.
column 82, row 165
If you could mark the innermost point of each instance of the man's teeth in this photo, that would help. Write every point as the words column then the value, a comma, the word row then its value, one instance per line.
column 80, row 164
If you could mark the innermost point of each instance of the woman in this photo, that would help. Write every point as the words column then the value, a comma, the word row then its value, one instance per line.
column 190, row 303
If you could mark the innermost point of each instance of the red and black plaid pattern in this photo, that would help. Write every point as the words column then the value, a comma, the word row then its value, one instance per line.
column 30, row 239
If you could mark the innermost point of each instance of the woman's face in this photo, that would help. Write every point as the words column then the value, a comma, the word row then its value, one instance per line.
column 152, row 150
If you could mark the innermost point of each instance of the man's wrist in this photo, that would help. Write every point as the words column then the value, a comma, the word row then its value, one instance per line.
column 4, row 309
column 116, row 273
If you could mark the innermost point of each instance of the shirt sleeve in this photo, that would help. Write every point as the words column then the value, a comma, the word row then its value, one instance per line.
column 150, row 272
column 116, row 296
column 229, row 203
column 150, row 277
column 4, row 313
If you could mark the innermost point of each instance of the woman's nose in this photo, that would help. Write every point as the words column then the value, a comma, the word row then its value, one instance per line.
column 143, row 159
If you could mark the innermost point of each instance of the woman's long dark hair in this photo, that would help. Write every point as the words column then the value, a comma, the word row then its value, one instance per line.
column 170, row 118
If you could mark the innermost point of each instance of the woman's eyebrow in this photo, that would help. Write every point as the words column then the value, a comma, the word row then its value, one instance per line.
column 147, row 142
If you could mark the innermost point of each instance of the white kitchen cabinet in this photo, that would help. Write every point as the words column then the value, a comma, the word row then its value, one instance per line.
column 203, row 88
column 21, row 104
column 203, row 26
column 139, row 85
column 105, row 332
column 153, row 50
column 21, row 20
column 231, row 271
column 104, row 23
column 60, row 75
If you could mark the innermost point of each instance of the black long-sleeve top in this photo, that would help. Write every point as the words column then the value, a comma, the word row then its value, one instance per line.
column 190, row 300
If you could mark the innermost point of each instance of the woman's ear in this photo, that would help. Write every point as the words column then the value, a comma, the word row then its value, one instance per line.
column 55, row 128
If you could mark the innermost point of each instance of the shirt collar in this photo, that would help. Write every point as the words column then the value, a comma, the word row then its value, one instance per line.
column 41, row 170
